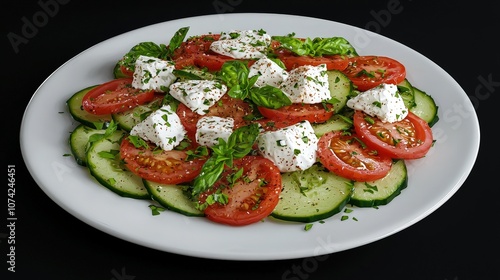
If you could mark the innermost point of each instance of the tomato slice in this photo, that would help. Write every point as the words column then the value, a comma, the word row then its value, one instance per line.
column 346, row 156
column 196, row 51
column 195, row 45
column 291, row 60
column 297, row 112
column 129, row 73
column 367, row 72
column 226, row 107
column 165, row 167
column 211, row 60
column 252, row 197
column 409, row 138
column 272, row 125
column 115, row 96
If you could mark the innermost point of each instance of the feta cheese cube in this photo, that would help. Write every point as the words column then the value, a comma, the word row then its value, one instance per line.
column 257, row 38
column 307, row 84
column 246, row 44
column 209, row 129
column 383, row 102
column 270, row 73
column 198, row 95
column 291, row 148
column 162, row 127
column 152, row 73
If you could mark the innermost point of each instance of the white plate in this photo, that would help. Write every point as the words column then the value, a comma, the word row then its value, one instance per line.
column 432, row 180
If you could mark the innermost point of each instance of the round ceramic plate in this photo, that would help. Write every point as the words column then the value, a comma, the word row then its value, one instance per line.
column 432, row 180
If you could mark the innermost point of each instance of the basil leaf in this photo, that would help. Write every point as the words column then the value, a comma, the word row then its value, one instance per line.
column 317, row 46
column 144, row 48
column 243, row 139
column 176, row 40
column 238, row 145
column 293, row 44
column 153, row 50
column 269, row 97
column 332, row 46
column 234, row 73
column 209, row 174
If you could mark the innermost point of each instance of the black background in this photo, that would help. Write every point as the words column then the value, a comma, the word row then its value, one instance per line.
column 458, row 241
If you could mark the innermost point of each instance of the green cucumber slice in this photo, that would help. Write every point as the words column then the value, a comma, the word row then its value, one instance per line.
column 312, row 195
column 128, row 119
column 405, row 89
column 79, row 142
column 340, row 88
column 103, row 161
column 333, row 124
column 382, row 191
column 425, row 107
column 173, row 197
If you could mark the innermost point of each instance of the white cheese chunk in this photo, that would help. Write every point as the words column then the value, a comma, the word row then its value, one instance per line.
column 152, row 73
column 209, row 129
column 291, row 148
column 307, row 84
column 382, row 101
column 270, row 72
column 242, row 44
column 198, row 95
column 162, row 127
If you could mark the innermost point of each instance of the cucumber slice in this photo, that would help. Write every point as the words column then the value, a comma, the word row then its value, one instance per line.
column 128, row 119
column 103, row 161
column 333, row 124
column 425, row 107
column 173, row 197
column 312, row 195
column 77, row 112
column 193, row 73
column 382, row 191
column 405, row 89
column 340, row 88
column 79, row 142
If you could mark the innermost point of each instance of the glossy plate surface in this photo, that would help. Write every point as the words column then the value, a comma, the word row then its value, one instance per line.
column 432, row 180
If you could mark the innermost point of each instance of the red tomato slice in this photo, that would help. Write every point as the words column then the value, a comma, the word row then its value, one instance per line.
column 297, row 112
column 193, row 51
column 126, row 71
column 115, row 96
column 165, row 167
column 346, row 156
column 184, row 61
column 367, row 72
column 211, row 60
column 272, row 125
column 252, row 198
column 409, row 138
column 333, row 62
column 226, row 107
column 195, row 45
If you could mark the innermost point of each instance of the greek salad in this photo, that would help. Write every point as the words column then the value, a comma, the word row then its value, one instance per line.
column 241, row 125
